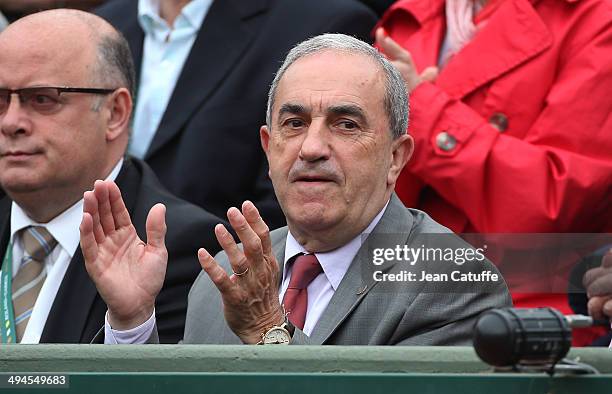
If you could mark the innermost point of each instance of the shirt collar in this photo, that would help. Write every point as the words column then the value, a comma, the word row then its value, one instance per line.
column 69, row 219
column 421, row 11
column 193, row 14
column 336, row 262
column 148, row 15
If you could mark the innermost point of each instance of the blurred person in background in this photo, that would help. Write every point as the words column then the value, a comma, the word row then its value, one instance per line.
column 203, row 72
column 15, row 9
column 590, row 290
column 510, row 115
column 378, row 6
column 598, row 283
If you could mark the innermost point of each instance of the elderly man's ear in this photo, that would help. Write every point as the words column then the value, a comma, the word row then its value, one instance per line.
column 117, row 109
column 264, row 137
column 402, row 149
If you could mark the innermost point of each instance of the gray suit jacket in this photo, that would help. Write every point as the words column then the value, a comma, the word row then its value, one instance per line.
column 366, row 312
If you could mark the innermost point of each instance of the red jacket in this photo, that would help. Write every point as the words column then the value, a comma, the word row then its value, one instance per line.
column 515, row 135
column 543, row 72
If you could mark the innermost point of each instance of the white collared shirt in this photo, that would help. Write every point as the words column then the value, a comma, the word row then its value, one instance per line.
column 65, row 229
column 335, row 264
column 165, row 52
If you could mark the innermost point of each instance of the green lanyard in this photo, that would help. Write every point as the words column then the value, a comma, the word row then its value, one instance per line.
column 7, row 318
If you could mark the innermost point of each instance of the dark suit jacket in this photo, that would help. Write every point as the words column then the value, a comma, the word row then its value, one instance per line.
column 378, row 6
column 78, row 311
column 207, row 149
column 364, row 311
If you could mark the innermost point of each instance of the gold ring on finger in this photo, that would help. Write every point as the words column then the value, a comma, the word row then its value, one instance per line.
column 241, row 273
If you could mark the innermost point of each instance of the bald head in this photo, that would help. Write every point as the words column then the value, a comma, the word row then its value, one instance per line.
column 66, row 35
column 64, row 19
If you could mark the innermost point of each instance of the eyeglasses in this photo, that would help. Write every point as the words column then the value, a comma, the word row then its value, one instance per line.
column 43, row 99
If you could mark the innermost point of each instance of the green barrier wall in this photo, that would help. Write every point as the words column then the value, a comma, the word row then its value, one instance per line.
column 292, row 369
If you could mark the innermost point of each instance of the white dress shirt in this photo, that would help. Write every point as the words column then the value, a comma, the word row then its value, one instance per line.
column 65, row 229
column 165, row 51
column 335, row 264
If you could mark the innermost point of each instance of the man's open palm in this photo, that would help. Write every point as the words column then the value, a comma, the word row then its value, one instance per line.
column 128, row 272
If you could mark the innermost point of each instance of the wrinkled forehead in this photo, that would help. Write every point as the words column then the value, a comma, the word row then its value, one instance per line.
column 33, row 52
column 330, row 78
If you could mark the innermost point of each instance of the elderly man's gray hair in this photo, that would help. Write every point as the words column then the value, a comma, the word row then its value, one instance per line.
column 115, row 66
column 395, row 97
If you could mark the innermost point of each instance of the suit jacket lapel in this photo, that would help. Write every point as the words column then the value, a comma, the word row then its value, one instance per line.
column 129, row 181
column 5, row 225
column 72, row 305
column 278, row 248
column 512, row 35
column 135, row 38
column 395, row 224
column 215, row 51
column 127, row 22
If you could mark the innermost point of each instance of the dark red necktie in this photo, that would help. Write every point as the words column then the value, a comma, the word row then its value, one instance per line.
column 305, row 269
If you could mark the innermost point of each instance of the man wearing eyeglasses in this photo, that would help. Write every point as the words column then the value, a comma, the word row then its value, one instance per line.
column 66, row 83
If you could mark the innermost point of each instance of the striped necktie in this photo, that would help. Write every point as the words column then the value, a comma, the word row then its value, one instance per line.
column 37, row 244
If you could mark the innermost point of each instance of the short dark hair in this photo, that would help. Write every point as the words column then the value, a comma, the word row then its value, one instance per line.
column 115, row 64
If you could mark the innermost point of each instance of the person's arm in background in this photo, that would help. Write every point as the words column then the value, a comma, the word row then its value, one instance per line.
column 598, row 283
column 558, row 178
